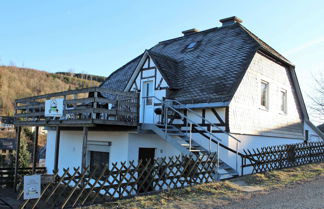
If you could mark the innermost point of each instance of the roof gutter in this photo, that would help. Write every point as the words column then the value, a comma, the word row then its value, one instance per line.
column 203, row 105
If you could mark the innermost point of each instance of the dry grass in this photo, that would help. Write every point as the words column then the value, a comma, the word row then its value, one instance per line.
column 214, row 194
column 18, row 82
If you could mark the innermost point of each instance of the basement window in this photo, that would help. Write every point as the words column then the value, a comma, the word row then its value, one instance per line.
column 264, row 100
column 98, row 160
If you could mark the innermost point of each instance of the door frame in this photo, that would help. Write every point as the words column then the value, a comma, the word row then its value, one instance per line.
column 146, row 175
column 143, row 102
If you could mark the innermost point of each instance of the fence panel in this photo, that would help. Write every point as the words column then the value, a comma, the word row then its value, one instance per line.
column 283, row 156
column 73, row 187
column 7, row 174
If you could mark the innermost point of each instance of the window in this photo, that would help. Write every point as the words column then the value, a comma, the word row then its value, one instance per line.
column 264, row 94
column 191, row 45
column 148, row 92
column 283, row 101
column 98, row 160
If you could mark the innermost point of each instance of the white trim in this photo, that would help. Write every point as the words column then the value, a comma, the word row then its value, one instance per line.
column 138, row 68
column 267, row 105
column 203, row 105
column 285, row 111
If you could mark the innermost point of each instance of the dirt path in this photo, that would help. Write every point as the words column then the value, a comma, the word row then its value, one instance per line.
column 307, row 195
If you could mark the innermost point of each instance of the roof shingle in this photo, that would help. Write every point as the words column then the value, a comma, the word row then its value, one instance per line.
column 209, row 72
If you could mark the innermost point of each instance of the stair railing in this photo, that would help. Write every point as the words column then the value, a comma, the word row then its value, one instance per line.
column 211, row 126
column 191, row 123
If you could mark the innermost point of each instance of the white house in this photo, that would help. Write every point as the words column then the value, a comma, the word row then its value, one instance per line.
column 219, row 90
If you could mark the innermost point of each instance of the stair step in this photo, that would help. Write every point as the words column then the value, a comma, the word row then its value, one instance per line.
column 163, row 126
column 195, row 150
column 192, row 145
column 169, row 130
column 176, row 134
column 230, row 174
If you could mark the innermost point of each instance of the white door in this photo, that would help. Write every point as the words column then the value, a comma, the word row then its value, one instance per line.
column 147, row 101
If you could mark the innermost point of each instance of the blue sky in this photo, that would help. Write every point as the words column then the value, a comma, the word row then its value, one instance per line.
column 99, row 36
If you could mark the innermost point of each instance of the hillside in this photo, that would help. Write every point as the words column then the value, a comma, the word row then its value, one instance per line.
column 83, row 76
column 18, row 82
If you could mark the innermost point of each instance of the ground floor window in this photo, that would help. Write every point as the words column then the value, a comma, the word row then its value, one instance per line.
column 98, row 160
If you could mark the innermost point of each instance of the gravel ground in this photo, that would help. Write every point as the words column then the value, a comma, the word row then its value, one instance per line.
column 307, row 195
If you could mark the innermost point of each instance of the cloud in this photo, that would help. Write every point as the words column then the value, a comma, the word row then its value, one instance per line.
column 305, row 46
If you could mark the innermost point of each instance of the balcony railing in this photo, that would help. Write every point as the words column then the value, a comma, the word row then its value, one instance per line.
column 80, row 107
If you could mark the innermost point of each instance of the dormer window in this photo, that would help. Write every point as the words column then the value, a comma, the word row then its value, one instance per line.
column 191, row 45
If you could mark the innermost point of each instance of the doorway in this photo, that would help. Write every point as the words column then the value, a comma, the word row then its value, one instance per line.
column 147, row 101
column 145, row 181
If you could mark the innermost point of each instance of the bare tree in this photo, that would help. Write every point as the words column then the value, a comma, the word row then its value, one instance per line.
column 317, row 98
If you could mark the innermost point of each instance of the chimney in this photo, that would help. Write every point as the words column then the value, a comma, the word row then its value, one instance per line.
column 230, row 21
column 190, row 31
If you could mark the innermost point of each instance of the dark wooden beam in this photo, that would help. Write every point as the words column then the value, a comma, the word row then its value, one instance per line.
column 221, row 121
column 227, row 128
column 203, row 114
column 57, row 147
column 18, row 131
column 35, row 149
column 84, row 147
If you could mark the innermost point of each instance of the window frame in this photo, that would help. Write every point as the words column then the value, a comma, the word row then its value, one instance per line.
column 285, row 111
column 267, row 95
column 90, row 160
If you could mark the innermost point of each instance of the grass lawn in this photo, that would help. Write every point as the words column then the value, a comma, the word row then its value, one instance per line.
column 220, row 193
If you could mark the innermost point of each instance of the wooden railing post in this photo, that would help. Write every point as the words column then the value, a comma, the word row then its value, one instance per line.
column 35, row 149
column 94, row 115
column 18, row 130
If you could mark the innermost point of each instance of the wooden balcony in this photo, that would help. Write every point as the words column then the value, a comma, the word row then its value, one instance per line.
column 83, row 107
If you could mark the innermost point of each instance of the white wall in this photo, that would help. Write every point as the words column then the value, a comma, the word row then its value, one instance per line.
column 162, row 148
column 312, row 135
column 50, row 150
column 70, row 153
column 124, row 147
column 246, row 114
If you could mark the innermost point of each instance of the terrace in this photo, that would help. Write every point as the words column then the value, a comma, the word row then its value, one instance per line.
column 82, row 107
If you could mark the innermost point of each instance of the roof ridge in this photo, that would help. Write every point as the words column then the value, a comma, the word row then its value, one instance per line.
column 120, row 68
column 263, row 43
column 162, row 55
column 196, row 33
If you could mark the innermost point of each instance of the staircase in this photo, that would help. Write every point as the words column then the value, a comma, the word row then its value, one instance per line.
column 183, row 140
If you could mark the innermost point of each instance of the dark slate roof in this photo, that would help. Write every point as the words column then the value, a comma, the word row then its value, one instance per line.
column 7, row 144
column 321, row 127
column 209, row 72
column 168, row 67
column 119, row 79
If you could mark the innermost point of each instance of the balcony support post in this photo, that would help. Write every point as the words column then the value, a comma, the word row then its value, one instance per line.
column 57, row 148
column 35, row 149
column 84, row 147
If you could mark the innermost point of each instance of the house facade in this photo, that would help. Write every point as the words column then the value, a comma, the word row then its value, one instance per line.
column 220, row 90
